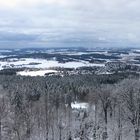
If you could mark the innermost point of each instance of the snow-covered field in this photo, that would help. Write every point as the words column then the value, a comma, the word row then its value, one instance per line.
column 77, row 105
column 43, row 63
column 36, row 73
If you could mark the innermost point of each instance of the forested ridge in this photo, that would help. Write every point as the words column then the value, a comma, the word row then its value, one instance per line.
column 40, row 108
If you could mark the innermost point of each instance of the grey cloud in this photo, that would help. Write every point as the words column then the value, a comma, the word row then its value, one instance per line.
column 114, row 21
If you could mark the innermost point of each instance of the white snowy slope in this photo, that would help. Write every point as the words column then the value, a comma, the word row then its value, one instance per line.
column 35, row 73
column 77, row 105
column 43, row 63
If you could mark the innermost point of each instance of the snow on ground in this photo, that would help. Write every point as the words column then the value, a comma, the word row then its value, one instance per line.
column 1, row 50
column 77, row 105
column 35, row 73
column 81, row 53
column 43, row 63
column 52, row 63
column 3, row 56
column 129, row 57
column 136, row 50
column 107, row 73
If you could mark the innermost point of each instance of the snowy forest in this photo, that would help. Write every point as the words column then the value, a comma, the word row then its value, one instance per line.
column 69, row 69
column 41, row 108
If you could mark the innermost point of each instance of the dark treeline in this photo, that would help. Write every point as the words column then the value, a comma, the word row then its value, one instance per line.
column 40, row 108
column 62, row 58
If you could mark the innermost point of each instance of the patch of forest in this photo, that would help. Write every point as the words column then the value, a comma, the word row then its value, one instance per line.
column 39, row 108
column 62, row 58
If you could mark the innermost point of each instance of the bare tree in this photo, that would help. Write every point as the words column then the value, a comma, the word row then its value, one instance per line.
column 3, row 108
column 130, row 96
column 104, row 93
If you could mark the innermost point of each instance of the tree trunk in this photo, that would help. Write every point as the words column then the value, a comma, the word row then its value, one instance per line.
column 60, row 135
column 18, row 135
column 105, row 134
column 105, row 111
column 70, row 121
column 0, row 130
column 52, row 133
column 95, row 126
column 119, row 125
column 137, row 135
column 47, row 114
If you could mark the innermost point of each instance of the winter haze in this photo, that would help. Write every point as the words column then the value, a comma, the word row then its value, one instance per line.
column 65, row 23
column 69, row 70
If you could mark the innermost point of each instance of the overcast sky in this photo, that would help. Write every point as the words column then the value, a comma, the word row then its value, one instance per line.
column 33, row 23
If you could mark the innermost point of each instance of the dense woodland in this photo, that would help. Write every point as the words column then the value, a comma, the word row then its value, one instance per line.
column 39, row 108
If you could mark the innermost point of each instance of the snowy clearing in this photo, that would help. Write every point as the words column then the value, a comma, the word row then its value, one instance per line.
column 35, row 73
column 43, row 63
column 77, row 105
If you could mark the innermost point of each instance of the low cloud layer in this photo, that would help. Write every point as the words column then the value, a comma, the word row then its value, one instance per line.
column 114, row 22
